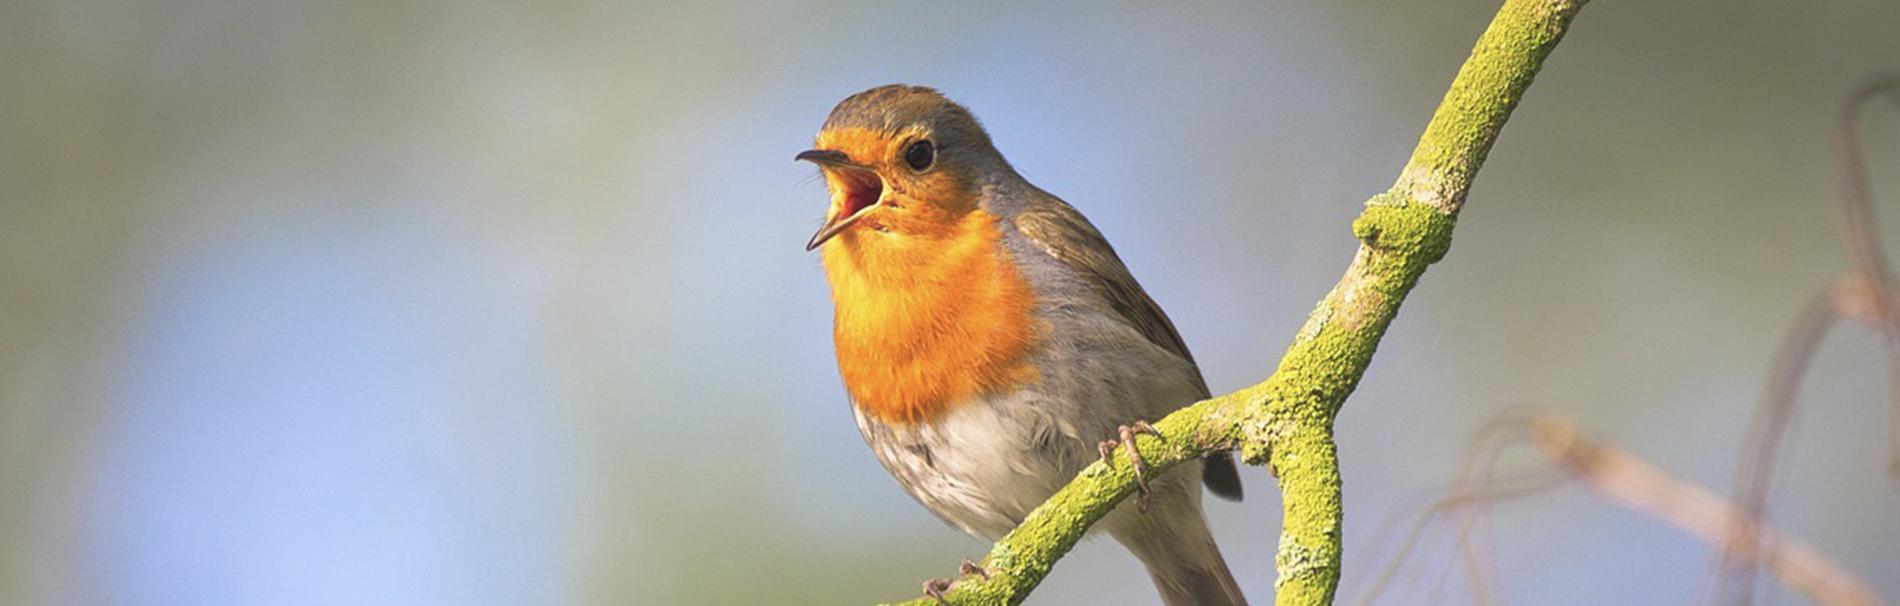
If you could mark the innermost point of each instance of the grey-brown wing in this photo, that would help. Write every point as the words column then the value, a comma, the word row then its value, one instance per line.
column 1061, row 230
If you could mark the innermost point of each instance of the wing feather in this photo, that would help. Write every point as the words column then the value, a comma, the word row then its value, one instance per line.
column 1065, row 234
column 1062, row 231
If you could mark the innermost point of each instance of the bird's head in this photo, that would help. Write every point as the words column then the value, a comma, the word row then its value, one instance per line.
column 901, row 162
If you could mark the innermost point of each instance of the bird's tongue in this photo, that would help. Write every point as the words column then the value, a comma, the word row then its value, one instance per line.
column 862, row 189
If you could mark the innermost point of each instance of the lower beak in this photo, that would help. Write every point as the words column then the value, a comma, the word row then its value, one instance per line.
column 831, row 228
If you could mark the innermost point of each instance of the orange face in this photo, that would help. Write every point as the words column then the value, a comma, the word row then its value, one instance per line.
column 888, row 183
column 931, row 310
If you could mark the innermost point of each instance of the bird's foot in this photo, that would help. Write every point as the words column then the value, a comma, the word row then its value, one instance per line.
column 935, row 588
column 1127, row 434
column 969, row 567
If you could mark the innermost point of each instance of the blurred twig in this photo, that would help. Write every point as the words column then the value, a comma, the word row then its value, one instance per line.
column 1646, row 489
column 1866, row 294
column 1735, row 582
column 1628, row 481
column 1477, row 486
column 1872, row 269
column 1738, row 529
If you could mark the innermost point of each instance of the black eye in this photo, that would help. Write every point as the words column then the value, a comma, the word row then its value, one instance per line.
column 920, row 155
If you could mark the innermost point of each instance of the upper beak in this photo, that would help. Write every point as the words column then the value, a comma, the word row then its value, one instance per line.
column 825, row 157
column 837, row 160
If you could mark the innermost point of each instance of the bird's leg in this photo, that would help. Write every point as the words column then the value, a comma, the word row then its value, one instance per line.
column 935, row 588
column 1127, row 434
column 971, row 567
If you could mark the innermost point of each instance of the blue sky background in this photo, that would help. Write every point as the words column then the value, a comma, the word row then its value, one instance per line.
column 453, row 303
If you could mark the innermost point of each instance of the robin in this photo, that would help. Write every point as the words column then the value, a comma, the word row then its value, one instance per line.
column 990, row 338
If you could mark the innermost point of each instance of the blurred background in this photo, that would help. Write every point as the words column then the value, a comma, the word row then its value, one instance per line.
column 468, row 303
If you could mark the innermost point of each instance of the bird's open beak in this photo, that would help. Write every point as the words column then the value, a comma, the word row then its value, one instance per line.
column 862, row 188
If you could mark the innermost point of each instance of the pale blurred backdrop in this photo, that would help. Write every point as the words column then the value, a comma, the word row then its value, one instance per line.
column 466, row 303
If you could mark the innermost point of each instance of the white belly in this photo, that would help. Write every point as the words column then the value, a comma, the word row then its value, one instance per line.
column 985, row 464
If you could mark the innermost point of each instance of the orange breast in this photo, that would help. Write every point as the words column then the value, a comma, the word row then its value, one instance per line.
column 927, row 322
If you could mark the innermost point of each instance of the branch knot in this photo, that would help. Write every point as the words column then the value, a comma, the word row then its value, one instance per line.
column 1393, row 223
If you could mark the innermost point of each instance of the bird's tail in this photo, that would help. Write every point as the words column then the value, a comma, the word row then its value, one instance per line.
column 1172, row 540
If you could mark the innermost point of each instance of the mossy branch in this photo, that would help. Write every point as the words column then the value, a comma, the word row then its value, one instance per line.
column 1286, row 422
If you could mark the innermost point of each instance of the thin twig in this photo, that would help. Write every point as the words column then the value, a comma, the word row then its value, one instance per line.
column 1735, row 583
column 1870, row 259
column 1476, row 487
column 1866, row 293
column 1646, row 489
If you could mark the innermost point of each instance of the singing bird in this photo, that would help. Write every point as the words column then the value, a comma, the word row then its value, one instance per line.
column 990, row 339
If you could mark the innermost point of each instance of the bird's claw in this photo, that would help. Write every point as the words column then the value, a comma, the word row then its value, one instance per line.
column 1126, row 435
column 935, row 588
